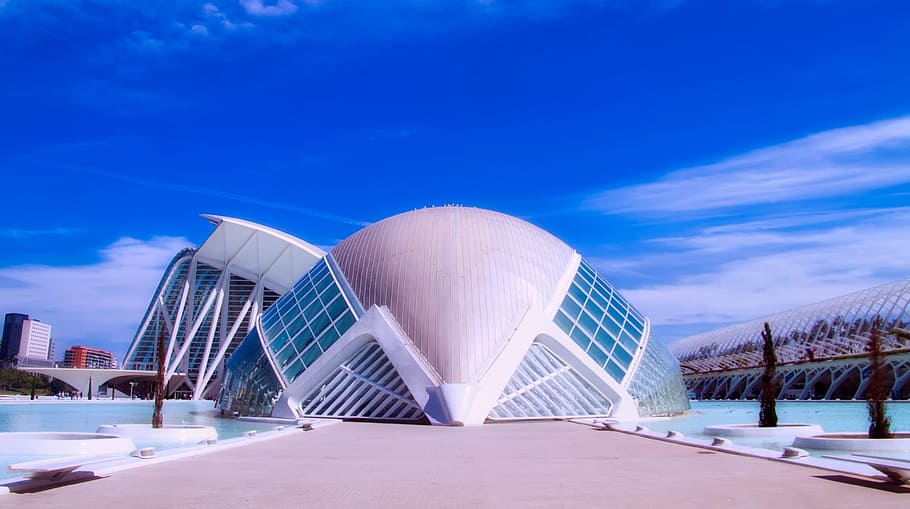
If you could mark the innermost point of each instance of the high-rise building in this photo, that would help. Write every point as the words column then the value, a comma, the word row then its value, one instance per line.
column 12, row 336
column 26, row 342
column 85, row 357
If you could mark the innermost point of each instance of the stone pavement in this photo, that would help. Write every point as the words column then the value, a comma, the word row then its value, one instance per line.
column 543, row 464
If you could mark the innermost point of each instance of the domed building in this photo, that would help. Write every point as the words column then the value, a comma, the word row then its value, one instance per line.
column 449, row 315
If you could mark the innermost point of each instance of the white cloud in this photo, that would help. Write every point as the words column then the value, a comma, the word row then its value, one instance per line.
column 832, row 163
column 278, row 8
column 99, row 304
column 736, row 277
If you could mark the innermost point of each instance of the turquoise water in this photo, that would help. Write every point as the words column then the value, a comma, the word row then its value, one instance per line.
column 833, row 416
column 86, row 416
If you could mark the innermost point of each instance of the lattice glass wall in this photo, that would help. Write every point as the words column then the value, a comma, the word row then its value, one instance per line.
column 250, row 386
column 657, row 384
column 545, row 386
column 366, row 386
column 143, row 354
column 833, row 328
column 601, row 322
column 306, row 321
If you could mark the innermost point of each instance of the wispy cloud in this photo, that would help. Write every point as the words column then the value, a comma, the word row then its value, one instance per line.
column 277, row 8
column 828, row 164
column 227, row 195
column 99, row 303
column 716, row 257
column 746, row 277
column 20, row 233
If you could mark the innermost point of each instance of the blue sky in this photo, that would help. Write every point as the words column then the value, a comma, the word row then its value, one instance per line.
column 715, row 160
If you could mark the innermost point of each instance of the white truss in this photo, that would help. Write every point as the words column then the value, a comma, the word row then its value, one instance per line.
column 837, row 379
column 366, row 386
column 545, row 386
column 833, row 328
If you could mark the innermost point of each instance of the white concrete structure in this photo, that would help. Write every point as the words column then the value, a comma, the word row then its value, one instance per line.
column 821, row 349
column 210, row 298
column 452, row 315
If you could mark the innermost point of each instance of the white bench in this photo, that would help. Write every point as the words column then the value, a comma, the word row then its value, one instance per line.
column 56, row 468
column 898, row 470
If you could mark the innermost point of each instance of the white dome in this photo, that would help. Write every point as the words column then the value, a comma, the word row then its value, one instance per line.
column 458, row 280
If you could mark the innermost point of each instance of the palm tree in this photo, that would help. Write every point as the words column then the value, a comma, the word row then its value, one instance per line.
column 158, row 414
column 767, row 417
column 880, row 424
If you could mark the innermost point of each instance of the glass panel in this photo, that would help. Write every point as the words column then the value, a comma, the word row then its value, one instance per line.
column 303, row 340
column 280, row 340
column 329, row 338
column 604, row 339
column 622, row 357
column 336, row 307
column 285, row 356
column 563, row 321
column 577, row 292
column 313, row 309
column 615, row 371
column 628, row 341
column 320, row 323
column 599, row 356
column 323, row 284
column 599, row 299
column 571, row 307
column 311, row 354
column 588, row 323
column 617, row 315
column 345, row 322
column 294, row 370
column 294, row 327
column 579, row 337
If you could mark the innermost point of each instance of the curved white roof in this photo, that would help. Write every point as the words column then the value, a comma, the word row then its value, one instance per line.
column 258, row 252
column 458, row 280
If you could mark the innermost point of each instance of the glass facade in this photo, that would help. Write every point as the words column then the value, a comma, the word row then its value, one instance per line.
column 546, row 386
column 829, row 329
column 657, row 384
column 365, row 386
column 306, row 321
column 250, row 386
column 601, row 322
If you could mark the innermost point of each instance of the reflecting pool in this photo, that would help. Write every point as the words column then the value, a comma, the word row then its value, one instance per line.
column 86, row 416
column 833, row 416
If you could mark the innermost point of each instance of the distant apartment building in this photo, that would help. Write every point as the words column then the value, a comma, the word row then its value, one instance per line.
column 87, row 357
column 25, row 342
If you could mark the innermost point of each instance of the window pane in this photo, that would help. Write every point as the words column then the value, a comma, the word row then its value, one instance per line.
column 615, row 371
column 580, row 338
column 622, row 357
column 599, row 356
column 329, row 338
column 577, row 292
column 563, row 321
column 345, row 322
column 589, row 324
column 571, row 308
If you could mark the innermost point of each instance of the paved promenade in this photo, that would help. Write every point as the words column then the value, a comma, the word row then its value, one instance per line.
column 549, row 464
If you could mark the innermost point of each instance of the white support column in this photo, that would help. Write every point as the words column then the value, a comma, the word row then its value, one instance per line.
column 228, row 338
column 219, row 303
column 194, row 327
column 180, row 310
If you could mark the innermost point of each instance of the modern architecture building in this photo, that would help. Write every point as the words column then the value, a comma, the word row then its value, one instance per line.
column 822, row 349
column 84, row 357
column 26, row 342
column 446, row 315
column 211, row 297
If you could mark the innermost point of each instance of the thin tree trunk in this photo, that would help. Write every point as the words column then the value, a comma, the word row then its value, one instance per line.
column 158, row 415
